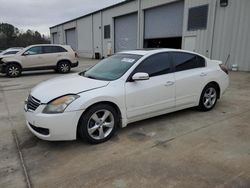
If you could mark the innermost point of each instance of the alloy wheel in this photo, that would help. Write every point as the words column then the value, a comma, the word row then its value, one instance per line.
column 64, row 67
column 210, row 97
column 101, row 124
column 13, row 71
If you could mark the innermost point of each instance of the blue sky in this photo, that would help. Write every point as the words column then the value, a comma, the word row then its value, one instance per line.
column 41, row 14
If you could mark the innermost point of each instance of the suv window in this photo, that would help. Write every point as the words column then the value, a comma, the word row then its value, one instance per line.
column 53, row 49
column 156, row 65
column 185, row 61
column 34, row 50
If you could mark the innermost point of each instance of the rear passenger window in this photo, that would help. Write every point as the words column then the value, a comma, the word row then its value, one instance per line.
column 201, row 62
column 185, row 61
column 53, row 49
column 156, row 65
column 61, row 49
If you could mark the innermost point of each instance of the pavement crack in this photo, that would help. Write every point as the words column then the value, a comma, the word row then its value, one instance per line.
column 14, row 134
column 26, row 174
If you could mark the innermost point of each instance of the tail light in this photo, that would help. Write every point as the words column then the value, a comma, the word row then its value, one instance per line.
column 224, row 68
column 76, row 55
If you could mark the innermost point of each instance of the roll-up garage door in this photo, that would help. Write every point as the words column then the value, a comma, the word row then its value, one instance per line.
column 71, row 38
column 164, row 21
column 126, row 32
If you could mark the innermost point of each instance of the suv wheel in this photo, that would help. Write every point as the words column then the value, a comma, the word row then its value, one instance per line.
column 13, row 70
column 63, row 67
column 208, row 98
column 98, row 124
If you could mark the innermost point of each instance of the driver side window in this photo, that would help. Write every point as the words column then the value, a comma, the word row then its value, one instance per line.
column 156, row 65
column 34, row 50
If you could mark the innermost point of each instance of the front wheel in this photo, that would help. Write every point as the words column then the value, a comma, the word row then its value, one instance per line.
column 208, row 98
column 13, row 70
column 98, row 124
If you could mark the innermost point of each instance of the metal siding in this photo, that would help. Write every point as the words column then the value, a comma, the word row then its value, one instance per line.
column 55, row 38
column 97, row 33
column 227, row 33
column 231, row 37
column 71, row 38
column 203, row 36
column 108, row 17
column 126, row 32
column 164, row 21
column 85, row 37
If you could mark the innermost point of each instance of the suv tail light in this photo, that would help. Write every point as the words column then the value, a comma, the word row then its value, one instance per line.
column 76, row 55
column 224, row 68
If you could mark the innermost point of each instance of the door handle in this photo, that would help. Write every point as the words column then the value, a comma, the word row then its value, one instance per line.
column 203, row 74
column 169, row 83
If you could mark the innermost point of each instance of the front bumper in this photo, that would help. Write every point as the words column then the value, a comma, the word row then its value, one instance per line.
column 2, row 68
column 53, row 127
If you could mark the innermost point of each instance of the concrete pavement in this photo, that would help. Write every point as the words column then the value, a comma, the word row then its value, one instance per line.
column 182, row 149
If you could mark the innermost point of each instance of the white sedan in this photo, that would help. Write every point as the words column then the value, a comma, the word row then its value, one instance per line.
column 124, row 88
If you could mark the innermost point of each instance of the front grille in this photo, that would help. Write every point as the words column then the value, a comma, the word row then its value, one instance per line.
column 33, row 103
column 40, row 130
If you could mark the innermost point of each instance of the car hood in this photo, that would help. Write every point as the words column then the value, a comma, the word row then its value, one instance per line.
column 71, row 84
column 6, row 56
column 9, row 58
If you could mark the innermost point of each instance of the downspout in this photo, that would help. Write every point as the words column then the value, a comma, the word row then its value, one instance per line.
column 102, row 36
column 139, row 25
column 93, row 44
column 213, row 31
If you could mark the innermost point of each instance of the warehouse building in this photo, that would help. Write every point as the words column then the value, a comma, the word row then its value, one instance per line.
column 218, row 29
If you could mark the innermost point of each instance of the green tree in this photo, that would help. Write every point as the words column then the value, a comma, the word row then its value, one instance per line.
column 10, row 36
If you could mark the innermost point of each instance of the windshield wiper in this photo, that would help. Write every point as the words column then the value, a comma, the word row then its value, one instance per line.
column 91, row 77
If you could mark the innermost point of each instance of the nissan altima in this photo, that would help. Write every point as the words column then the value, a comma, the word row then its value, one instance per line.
column 124, row 88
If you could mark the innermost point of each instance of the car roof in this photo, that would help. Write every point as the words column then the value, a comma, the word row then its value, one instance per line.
column 47, row 45
column 149, row 51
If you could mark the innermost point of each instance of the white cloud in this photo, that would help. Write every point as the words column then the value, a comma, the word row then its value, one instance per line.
column 41, row 14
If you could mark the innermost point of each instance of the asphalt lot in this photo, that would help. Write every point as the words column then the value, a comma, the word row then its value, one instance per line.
column 182, row 149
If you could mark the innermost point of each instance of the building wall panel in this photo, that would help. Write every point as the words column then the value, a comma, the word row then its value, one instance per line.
column 84, row 35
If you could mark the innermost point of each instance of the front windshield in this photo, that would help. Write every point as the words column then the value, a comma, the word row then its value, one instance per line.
column 112, row 68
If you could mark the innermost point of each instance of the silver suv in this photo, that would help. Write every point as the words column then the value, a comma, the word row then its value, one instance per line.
column 61, row 58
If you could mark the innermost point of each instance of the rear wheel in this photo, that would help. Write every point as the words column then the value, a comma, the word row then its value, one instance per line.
column 209, row 97
column 98, row 124
column 63, row 67
column 13, row 70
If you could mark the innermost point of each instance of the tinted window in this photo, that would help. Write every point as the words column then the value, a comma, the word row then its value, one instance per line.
column 10, row 53
column 53, row 49
column 106, row 31
column 186, row 61
column 197, row 17
column 156, row 65
column 201, row 62
column 34, row 50
column 61, row 49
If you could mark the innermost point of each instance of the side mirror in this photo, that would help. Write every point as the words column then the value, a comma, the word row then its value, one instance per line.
column 26, row 53
column 140, row 76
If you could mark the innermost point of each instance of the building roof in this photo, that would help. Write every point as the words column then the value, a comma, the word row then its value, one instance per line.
column 88, row 14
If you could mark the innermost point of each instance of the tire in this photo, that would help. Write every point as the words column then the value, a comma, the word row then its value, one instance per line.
column 63, row 67
column 209, row 97
column 13, row 70
column 98, row 124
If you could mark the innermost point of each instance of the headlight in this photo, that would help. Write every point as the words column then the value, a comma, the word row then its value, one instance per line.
column 60, row 104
